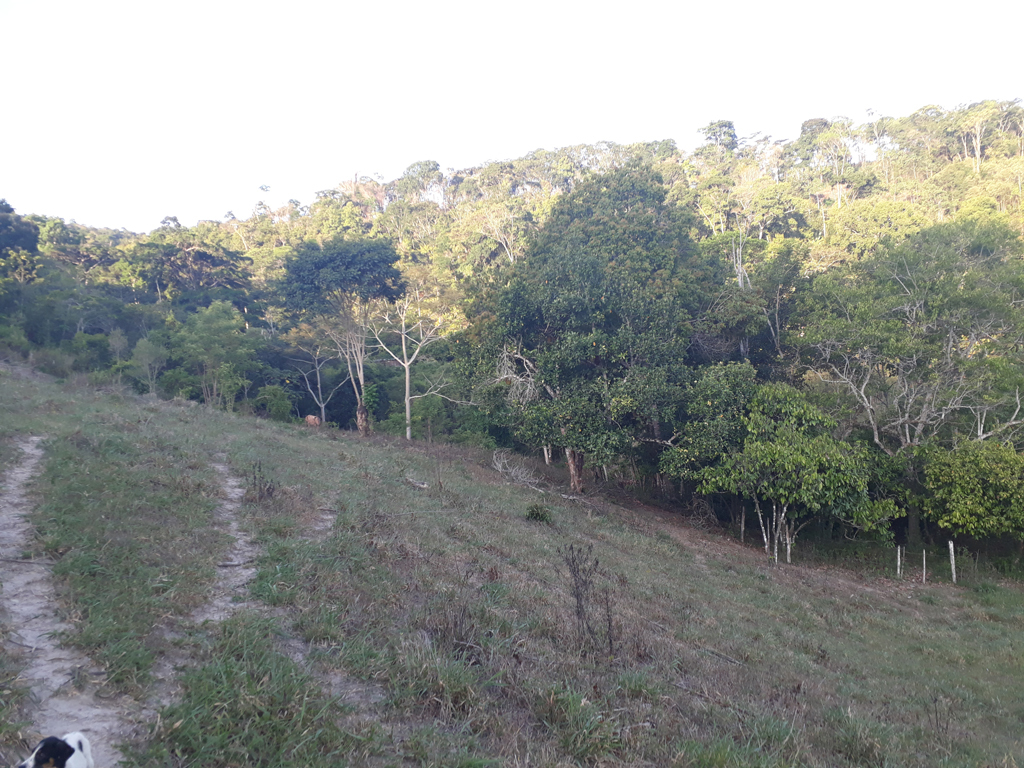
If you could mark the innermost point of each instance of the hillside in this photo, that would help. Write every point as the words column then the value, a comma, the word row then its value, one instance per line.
column 385, row 603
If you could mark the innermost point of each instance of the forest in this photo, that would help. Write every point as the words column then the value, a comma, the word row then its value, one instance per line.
column 820, row 334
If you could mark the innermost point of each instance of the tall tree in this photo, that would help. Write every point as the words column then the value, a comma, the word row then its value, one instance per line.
column 403, row 329
column 334, row 285
column 597, row 308
column 924, row 337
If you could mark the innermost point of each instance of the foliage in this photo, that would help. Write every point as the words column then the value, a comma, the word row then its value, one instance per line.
column 922, row 335
column 214, row 345
column 594, row 322
column 789, row 461
column 601, row 285
column 712, row 426
column 977, row 489
column 539, row 514
column 325, row 277
column 275, row 401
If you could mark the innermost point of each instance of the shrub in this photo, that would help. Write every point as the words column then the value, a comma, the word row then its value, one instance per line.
column 275, row 401
column 538, row 513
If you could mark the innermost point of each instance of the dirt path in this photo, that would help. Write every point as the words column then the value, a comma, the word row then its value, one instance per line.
column 229, row 595
column 62, row 681
column 235, row 570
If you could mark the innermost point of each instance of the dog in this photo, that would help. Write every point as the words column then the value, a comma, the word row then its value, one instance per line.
column 72, row 751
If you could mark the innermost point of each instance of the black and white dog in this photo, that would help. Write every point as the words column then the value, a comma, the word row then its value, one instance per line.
column 70, row 752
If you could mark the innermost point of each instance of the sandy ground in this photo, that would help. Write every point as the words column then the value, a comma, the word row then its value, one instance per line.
column 67, row 688
column 236, row 569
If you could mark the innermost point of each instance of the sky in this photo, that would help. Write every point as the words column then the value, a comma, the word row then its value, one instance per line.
column 117, row 114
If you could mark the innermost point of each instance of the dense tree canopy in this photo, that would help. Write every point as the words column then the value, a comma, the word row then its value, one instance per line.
column 663, row 317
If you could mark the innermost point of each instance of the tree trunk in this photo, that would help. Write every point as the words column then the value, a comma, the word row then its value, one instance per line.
column 574, row 459
column 363, row 420
column 913, row 525
column 764, row 531
column 408, row 399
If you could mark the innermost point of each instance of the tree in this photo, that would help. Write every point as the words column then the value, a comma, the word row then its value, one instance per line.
column 924, row 333
column 712, row 424
column 349, row 332
column 721, row 133
column 593, row 325
column 147, row 360
column 924, row 336
column 334, row 284
column 790, row 462
column 973, row 123
column 411, row 330
column 19, row 239
column 213, row 342
column 316, row 355
column 976, row 490
column 325, row 279
column 16, row 232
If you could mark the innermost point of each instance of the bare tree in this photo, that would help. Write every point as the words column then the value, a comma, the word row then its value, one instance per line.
column 415, row 331
column 317, row 355
column 349, row 332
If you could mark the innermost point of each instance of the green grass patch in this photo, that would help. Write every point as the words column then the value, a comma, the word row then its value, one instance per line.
column 127, row 513
column 247, row 704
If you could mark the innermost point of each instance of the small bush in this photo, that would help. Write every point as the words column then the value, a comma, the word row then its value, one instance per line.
column 447, row 686
column 275, row 402
column 859, row 742
column 260, row 487
column 538, row 513
column 53, row 362
column 13, row 342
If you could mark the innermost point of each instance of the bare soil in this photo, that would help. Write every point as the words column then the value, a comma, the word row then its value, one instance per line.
column 227, row 595
column 236, row 570
column 66, row 687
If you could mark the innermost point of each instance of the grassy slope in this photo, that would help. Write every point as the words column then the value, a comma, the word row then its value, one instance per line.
column 456, row 612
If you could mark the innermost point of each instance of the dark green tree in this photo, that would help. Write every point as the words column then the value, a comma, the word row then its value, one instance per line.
column 592, row 329
column 924, row 337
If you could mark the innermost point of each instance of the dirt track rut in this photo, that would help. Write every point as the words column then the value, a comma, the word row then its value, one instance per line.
column 63, row 681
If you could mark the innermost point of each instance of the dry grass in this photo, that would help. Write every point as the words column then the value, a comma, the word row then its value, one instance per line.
column 415, row 569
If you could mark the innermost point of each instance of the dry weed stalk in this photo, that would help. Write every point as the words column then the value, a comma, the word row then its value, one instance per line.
column 513, row 470
column 584, row 570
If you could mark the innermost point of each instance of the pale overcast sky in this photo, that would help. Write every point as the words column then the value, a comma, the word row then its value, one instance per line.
column 120, row 113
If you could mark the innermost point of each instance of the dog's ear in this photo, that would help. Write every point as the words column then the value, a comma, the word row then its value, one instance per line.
column 53, row 752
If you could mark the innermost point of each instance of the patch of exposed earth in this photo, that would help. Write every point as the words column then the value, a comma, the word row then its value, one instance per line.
column 236, row 569
column 229, row 595
column 67, row 692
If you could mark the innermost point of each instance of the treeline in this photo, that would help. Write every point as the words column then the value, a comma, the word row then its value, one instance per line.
column 826, row 329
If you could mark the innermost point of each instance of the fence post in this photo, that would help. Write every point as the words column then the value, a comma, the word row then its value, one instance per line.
column 952, row 561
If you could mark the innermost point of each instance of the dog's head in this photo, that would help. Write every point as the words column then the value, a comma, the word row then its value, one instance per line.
column 51, row 752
